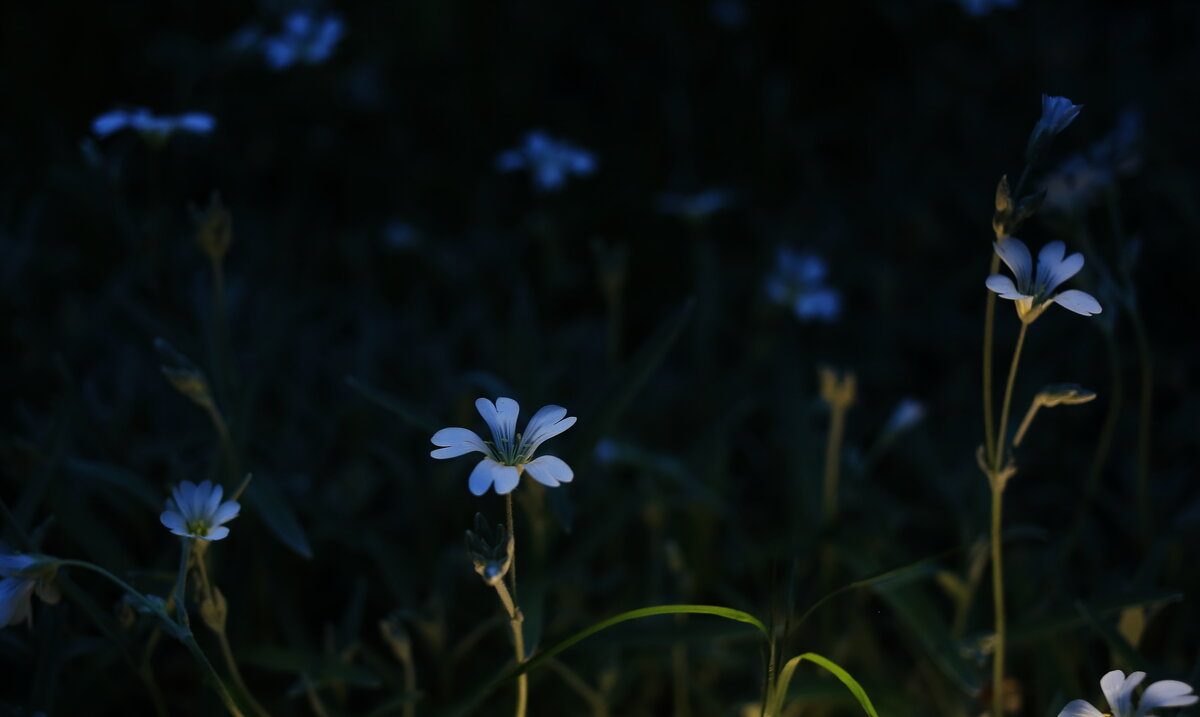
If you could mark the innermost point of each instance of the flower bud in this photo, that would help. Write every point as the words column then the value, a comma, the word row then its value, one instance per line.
column 1057, row 114
column 1064, row 394
column 184, row 375
column 214, row 228
column 491, row 550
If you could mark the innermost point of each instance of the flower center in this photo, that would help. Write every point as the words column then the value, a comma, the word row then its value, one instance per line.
column 198, row 527
column 509, row 451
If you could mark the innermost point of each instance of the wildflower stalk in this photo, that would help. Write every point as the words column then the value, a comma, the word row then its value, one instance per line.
column 833, row 451
column 218, row 628
column 515, row 618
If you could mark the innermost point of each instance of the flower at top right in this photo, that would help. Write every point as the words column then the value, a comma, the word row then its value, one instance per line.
column 1033, row 292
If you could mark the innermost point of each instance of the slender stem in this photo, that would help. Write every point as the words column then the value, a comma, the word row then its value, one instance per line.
column 833, row 451
column 1008, row 391
column 998, row 600
column 97, row 569
column 989, row 326
column 512, row 558
column 1028, row 420
column 223, row 640
column 211, row 671
column 515, row 619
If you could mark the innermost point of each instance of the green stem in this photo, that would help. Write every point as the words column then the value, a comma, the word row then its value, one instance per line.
column 1008, row 391
column 989, row 326
column 1028, row 421
column 190, row 642
column 833, row 451
column 226, row 650
column 515, row 619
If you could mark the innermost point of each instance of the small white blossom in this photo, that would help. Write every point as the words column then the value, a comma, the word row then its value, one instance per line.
column 549, row 160
column 1057, row 114
column 799, row 283
column 17, row 589
column 909, row 412
column 1034, row 292
column 508, row 454
column 305, row 38
column 146, row 122
column 1118, row 690
column 196, row 511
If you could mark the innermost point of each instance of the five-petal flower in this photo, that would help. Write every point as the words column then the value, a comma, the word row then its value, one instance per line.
column 1118, row 690
column 196, row 511
column 508, row 454
column 17, row 588
column 1033, row 292
column 549, row 160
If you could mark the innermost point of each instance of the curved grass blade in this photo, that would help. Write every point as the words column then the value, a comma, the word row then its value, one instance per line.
column 716, row 610
column 785, row 676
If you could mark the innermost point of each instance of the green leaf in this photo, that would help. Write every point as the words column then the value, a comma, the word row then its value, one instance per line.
column 270, row 503
column 716, row 610
column 620, row 391
column 410, row 415
column 790, row 668
column 921, row 618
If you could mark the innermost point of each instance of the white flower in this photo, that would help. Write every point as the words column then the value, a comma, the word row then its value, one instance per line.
column 1057, row 114
column 1118, row 690
column 196, row 511
column 144, row 121
column 509, row 453
column 909, row 412
column 1034, row 292
column 550, row 160
column 304, row 38
column 799, row 282
column 17, row 589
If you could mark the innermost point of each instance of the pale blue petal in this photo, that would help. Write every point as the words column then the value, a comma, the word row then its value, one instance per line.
column 197, row 122
column 1078, row 301
column 501, row 419
column 227, row 512
column 507, row 478
column 482, row 476
column 110, row 122
column 1118, row 690
column 185, row 494
column 1014, row 253
column 173, row 521
column 549, row 470
column 456, row 442
column 547, row 423
column 1166, row 693
column 1079, row 708
column 200, row 499
column 14, row 562
column 1005, row 287
column 214, row 500
column 1053, row 269
column 217, row 533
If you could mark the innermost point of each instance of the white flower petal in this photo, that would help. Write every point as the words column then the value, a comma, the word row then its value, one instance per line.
column 501, row 419
column 1166, row 693
column 110, row 122
column 547, row 423
column 1005, row 287
column 185, row 493
column 1079, row 708
column 214, row 500
column 1014, row 253
column 550, row 470
column 1053, row 269
column 1078, row 301
column 456, row 442
column 507, row 478
column 11, row 563
column 200, row 500
column 217, row 533
column 482, row 476
column 173, row 521
column 1118, row 690
column 227, row 512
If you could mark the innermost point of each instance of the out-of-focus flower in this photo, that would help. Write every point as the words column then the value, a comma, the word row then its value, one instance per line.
column 549, row 161
column 978, row 8
column 798, row 282
column 17, row 586
column 1057, row 114
column 1034, row 292
column 838, row 390
column 1118, row 690
column 694, row 207
column 196, row 511
column 151, row 126
column 1082, row 177
column 508, row 454
column 909, row 412
column 305, row 38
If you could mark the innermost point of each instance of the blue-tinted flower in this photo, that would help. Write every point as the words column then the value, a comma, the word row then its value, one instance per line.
column 1057, row 113
column 508, row 454
column 909, row 412
column 549, row 161
column 17, row 587
column 196, row 511
column 305, row 38
column 1034, row 292
column 694, row 206
column 154, row 127
column 798, row 282
column 1118, row 690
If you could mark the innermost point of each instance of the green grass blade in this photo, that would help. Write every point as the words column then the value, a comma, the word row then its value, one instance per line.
column 790, row 668
column 269, row 502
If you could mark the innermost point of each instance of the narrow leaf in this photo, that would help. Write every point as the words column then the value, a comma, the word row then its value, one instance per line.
column 271, row 505
column 851, row 684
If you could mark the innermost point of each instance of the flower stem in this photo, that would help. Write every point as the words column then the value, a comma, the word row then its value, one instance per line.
column 833, row 452
column 989, row 326
column 1026, row 422
column 226, row 650
column 512, row 558
column 998, row 480
column 515, row 618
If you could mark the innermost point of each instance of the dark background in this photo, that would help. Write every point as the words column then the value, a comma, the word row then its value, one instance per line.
column 872, row 133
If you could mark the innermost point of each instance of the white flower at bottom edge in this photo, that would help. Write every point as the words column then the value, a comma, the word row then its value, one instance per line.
column 196, row 511
column 1034, row 292
column 1118, row 690
column 508, row 454
column 16, row 591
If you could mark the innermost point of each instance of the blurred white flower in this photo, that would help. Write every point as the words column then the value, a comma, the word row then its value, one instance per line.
column 1057, row 114
column 909, row 412
column 1118, row 690
column 550, row 161
column 798, row 282
column 196, row 511
column 509, row 453
column 305, row 38
column 694, row 206
column 17, row 588
column 155, row 127
column 1034, row 292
